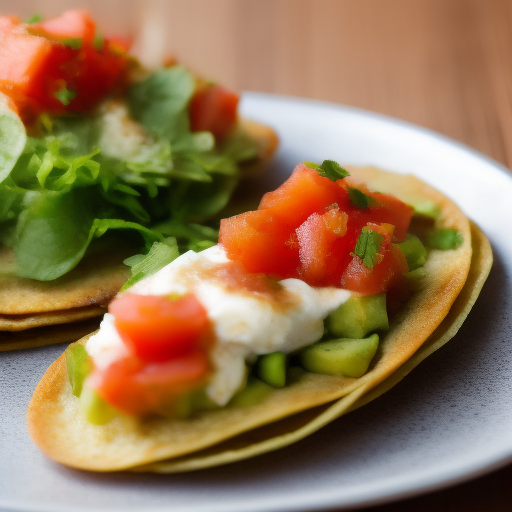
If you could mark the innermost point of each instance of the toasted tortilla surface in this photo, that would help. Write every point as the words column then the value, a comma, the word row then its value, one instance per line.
column 16, row 323
column 47, row 335
column 285, row 415
column 94, row 282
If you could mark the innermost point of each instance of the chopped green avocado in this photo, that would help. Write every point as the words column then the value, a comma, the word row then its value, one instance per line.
column 426, row 208
column 415, row 277
column 192, row 403
column 79, row 366
column 358, row 316
column 348, row 357
column 414, row 252
column 445, row 239
column 254, row 392
column 96, row 410
column 271, row 369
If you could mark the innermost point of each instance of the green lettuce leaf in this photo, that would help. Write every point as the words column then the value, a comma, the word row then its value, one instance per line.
column 56, row 230
column 160, row 102
column 144, row 265
column 12, row 139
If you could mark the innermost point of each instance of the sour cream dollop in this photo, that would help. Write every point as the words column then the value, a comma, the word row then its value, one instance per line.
column 245, row 323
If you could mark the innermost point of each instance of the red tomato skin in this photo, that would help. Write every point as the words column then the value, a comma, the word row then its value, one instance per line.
column 387, row 209
column 387, row 274
column 214, row 109
column 305, row 192
column 317, row 250
column 34, row 68
column 158, row 329
column 72, row 24
column 139, row 388
column 261, row 242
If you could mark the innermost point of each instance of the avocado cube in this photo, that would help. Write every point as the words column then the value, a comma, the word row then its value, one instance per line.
column 253, row 393
column 271, row 369
column 78, row 365
column 414, row 252
column 96, row 410
column 342, row 357
column 358, row 316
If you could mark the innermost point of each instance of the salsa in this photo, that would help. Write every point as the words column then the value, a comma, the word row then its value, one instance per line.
column 309, row 228
column 58, row 65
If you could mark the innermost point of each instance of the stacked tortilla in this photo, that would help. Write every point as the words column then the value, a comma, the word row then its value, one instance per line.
column 35, row 313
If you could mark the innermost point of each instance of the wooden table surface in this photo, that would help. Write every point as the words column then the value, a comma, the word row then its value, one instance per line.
column 442, row 64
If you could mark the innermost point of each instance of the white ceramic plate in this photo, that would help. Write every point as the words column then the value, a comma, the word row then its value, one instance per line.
column 449, row 420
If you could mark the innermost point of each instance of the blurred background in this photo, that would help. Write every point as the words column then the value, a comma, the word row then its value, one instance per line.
column 442, row 64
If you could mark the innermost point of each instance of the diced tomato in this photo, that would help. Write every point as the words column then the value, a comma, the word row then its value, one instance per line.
column 119, row 44
column 158, row 328
column 214, row 109
column 316, row 237
column 385, row 275
column 303, row 193
column 261, row 242
column 72, row 24
column 309, row 227
column 385, row 208
column 138, row 388
column 34, row 69
column 8, row 23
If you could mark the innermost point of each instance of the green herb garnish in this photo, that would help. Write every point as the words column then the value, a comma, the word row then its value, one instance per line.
column 360, row 199
column 65, row 96
column 368, row 247
column 445, row 239
column 75, row 43
column 329, row 169
column 35, row 18
column 98, row 42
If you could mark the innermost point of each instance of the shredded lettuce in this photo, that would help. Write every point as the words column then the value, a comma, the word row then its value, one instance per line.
column 65, row 188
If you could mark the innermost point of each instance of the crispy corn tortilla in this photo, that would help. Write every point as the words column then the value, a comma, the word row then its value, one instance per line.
column 23, row 322
column 47, row 335
column 93, row 282
column 85, row 292
column 287, row 414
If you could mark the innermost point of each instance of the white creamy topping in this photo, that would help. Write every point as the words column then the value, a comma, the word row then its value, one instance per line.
column 245, row 324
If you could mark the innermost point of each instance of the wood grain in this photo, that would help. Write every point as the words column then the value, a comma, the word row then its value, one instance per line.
column 442, row 64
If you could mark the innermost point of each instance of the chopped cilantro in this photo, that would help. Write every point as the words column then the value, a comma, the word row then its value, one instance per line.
column 360, row 199
column 74, row 43
column 445, row 239
column 99, row 42
column 329, row 169
column 368, row 247
column 65, row 96
column 35, row 18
